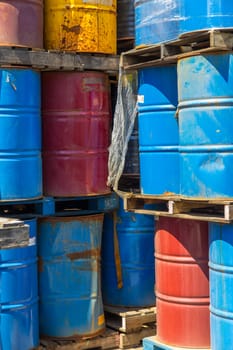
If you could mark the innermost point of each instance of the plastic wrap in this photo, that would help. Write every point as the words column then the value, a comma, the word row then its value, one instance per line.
column 124, row 118
column 156, row 21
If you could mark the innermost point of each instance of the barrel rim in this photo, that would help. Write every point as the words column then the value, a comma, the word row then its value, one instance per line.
column 69, row 218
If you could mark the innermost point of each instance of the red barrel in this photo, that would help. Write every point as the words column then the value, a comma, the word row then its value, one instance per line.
column 76, row 133
column 21, row 23
column 182, row 282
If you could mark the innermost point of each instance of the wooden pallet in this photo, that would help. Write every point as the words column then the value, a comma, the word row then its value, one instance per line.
column 196, row 43
column 215, row 210
column 108, row 340
column 57, row 60
column 127, row 320
column 133, row 325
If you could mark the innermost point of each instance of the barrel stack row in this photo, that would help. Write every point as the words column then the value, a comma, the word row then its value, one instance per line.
column 185, row 148
column 55, row 131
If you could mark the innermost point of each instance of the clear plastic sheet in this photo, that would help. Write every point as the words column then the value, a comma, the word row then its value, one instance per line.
column 123, row 123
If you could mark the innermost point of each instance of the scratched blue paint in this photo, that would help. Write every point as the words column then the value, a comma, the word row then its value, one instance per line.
column 136, row 243
column 205, row 88
column 20, row 134
column 221, row 285
column 205, row 14
column 69, row 276
column 158, row 130
column 19, row 323
column 156, row 21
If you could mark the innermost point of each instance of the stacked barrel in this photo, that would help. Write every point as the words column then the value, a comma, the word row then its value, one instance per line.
column 21, row 24
column 76, row 133
column 185, row 149
column 55, row 133
column 205, row 105
column 128, row 275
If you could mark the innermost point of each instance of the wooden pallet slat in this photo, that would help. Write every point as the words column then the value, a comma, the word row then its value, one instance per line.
column 215, row 210
column 207, row 41
column 108, row 340
column 127, row 321
column 57, row 60
column 134, row 339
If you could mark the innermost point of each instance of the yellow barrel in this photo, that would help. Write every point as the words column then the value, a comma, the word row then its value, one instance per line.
column 80, row 25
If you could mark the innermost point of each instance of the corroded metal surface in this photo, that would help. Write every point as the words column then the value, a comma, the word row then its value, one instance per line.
column 135, row 234
column 69, row 274
column 21, row 23
column 76, row 129
column 85, row 26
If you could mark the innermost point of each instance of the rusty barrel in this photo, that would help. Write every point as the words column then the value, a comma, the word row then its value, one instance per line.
column 69, row 276
column 182, row 282
column 79, row 25
column 76, row 133
column 134, row 235
column 21, row 23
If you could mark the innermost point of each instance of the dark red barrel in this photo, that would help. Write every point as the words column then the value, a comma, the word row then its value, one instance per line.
column 21, row 23
column 76, row 133
column 182, row 283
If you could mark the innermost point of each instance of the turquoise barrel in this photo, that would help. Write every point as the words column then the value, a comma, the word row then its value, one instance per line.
column 205, row 125
column 19, row 323
column 158, row 130
column 69, row 276
column 205, row 14
column 135, row 238
column 221, row 285
column 156, row 21
column 20, row 134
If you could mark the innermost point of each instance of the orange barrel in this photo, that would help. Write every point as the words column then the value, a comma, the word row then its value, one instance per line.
column 182, row 283
column 81, row 25
column 21, row 23
column 76, row 133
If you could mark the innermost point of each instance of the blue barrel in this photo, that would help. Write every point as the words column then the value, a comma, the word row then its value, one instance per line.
column 20, row 134
column 19, row 324
column 205, row 14
column 221, row 285
column 69, row 276
column 156, row 21
column 158, row 130
column 205, row 85
column 135, row 236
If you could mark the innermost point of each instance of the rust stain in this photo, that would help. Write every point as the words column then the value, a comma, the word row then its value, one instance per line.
column 83, row 336
column 40, row 265
column 74, row 29
column 81, row 218
column 86, row 254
